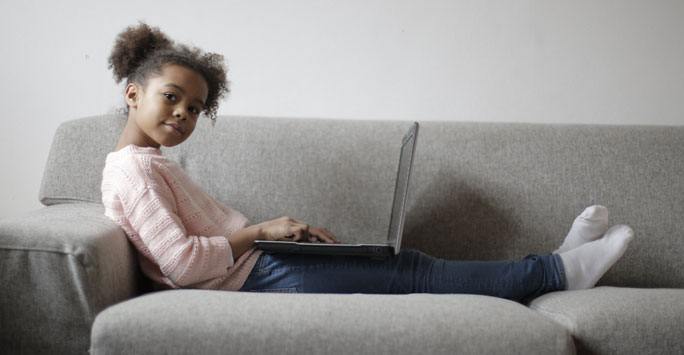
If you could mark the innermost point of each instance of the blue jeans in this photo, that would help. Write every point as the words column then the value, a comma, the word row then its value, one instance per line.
column 410, row 271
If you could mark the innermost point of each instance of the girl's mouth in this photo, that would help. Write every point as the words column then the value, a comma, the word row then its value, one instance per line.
column 174, row 129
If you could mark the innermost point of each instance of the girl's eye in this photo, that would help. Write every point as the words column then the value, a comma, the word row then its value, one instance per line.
column 172, row 98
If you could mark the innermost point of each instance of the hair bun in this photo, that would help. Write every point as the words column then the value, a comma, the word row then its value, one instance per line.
column 133, row 45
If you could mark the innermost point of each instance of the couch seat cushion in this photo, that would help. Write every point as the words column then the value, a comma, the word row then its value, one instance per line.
column 213, row 322
column 615, row 320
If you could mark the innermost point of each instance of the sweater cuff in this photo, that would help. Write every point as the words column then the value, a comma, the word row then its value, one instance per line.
column 229, row 254
column 225, row 254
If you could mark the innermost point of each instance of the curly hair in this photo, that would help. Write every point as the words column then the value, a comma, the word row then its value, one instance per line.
column 140, row 52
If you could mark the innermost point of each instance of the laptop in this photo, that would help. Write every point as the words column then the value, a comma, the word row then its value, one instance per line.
column 396, row 227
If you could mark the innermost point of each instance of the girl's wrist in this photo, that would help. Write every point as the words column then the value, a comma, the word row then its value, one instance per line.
column 257, row 233
column 243, row 240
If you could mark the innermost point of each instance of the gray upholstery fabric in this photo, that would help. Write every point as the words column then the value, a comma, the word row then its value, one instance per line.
column 216, row 322
column 59, row 267
column 609, row 320
column 73, row 171
column 481, row 191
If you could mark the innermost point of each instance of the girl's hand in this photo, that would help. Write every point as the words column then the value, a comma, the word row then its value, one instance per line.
column 290, row 229
column 320, row 234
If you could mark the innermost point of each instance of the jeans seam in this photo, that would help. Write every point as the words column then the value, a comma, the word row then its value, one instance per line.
column 428, row 277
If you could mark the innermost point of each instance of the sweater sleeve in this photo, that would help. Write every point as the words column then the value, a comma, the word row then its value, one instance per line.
column 231, row 212
column 184, row 259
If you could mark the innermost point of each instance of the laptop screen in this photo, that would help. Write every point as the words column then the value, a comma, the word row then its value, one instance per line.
column 401, row 188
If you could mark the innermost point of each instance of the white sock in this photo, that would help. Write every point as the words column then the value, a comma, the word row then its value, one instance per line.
column 585, row 264
column 588, row 226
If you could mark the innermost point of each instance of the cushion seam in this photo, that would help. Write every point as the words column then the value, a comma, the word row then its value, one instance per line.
column 8, row 247
column 51, row 201
column 83, row 264
column 573, row 324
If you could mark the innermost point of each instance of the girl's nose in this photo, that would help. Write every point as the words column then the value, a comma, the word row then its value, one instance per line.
column 180, row 113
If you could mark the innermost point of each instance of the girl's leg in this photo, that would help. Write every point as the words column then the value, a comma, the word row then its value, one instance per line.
column 409, row 272
column 578, row 264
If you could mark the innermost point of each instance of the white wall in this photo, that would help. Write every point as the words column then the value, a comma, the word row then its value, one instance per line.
column 607, row 62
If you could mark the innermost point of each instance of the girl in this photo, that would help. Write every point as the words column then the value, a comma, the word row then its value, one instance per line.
column 187, row 239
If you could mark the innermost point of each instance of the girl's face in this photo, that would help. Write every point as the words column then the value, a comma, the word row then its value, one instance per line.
column 165, row 112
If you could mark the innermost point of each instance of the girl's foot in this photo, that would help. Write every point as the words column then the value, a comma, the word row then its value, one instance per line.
column 585, row 264
column 588, row 226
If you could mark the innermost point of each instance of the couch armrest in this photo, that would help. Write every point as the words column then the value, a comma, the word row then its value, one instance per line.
column 59, row 267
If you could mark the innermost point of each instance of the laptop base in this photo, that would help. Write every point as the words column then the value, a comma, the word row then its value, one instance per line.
column 369, row 250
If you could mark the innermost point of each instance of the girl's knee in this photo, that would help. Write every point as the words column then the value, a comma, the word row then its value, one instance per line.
column 416, row 256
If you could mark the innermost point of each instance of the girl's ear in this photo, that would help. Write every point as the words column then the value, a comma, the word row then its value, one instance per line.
column 132, row 95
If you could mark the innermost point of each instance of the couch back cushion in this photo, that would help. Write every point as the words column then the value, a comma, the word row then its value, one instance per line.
column 479, row 191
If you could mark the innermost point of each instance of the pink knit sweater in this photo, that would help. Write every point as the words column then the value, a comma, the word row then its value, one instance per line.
column 180, row 231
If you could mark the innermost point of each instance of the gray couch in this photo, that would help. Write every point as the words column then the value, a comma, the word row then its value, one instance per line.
column 484, row 191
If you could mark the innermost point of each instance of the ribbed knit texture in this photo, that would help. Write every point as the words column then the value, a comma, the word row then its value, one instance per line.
column 180, row 231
